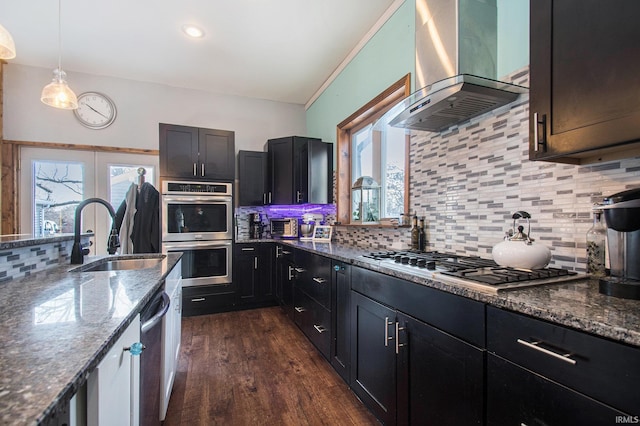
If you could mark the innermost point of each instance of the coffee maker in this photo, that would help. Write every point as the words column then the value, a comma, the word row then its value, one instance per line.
column 255, row 226
column 622, row 214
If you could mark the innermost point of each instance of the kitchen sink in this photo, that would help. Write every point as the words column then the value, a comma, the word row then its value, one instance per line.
column 121, row 263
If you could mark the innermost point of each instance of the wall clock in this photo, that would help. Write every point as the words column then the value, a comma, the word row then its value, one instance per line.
column 95, row 110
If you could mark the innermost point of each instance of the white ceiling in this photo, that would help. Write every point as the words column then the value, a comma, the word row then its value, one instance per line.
column 282, row 50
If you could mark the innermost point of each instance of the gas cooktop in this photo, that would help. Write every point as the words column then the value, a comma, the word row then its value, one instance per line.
column 469, row 271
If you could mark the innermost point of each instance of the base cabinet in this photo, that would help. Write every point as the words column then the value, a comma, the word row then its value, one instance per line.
column 113, row 396
column 341, row 319
column 285, row 276
column 407, row 366
column 252, row 263
column 516, row 396
column 171, row 336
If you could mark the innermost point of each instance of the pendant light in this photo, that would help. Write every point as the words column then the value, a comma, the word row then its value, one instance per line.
column 57, row 93
column 7, row 46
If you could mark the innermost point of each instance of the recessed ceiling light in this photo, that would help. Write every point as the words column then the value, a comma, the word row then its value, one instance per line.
column 193, row 31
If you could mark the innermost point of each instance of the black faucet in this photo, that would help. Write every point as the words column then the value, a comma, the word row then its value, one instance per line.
column 78, row 252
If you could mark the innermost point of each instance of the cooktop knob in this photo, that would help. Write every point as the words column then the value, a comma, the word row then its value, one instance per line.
column 422, row 263
column 431, row 265
column 405, row 259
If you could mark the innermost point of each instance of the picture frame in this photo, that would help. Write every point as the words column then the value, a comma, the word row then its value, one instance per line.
column 322, row 233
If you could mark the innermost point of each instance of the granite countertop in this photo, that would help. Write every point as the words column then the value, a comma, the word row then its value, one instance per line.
column 577, row 304
column 57, row 326
column 13, row 241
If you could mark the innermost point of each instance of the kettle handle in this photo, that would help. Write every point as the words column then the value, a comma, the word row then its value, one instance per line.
column 521, row 214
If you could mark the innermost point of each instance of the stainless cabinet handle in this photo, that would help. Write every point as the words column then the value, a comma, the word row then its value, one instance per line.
column 286, row 252
column 320, row 329
column 199, row 299
column 319, row 280
column 269, row 197
column 195, row 167
column 534, row 345
column 536, row 133
column 298, row 196
column 264, row 198
column 398, row 344
column 300, row 270
column 299, row 309
column 255, row 263
column 290, row 273
column 202, row 169
column 386, row 331
column 248, row 249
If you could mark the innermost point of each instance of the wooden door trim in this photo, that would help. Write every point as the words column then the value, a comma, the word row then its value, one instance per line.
column 10, row 223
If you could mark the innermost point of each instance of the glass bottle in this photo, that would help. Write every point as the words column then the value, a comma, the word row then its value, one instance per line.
column 422, row 236
column 596, row 247
column 415, row 233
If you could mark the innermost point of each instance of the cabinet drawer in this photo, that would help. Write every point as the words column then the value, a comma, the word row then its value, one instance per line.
column 599, row 368
column 314, row 277
column 201, row 301
column 314, row 321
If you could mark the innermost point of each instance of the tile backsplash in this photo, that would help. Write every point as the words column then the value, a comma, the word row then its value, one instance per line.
column 468, row 180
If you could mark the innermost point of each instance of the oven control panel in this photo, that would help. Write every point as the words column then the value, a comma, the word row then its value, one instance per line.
column 196, row 188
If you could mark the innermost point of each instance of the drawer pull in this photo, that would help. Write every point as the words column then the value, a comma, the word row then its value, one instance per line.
column 535, row 346
column 387, row 323
column 199, row 299
column 299, row 270
column 320, row 329
column 248, row 249
column 299, row 309
column 319, row 280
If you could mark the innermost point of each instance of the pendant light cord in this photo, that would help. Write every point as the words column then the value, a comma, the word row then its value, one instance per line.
column 59, row 36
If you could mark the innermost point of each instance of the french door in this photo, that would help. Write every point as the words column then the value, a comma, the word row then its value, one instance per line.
column 54, row 181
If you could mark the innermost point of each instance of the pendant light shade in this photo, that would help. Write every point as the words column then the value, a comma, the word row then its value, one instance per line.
column 7, row 46
column 58, row 94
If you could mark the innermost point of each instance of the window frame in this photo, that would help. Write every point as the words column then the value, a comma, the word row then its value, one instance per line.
column 367, row 114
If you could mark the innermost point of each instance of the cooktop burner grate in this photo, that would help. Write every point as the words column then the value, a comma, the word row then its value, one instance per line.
column 471, row 268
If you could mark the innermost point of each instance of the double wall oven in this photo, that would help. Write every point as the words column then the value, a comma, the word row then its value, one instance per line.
column 197, row 220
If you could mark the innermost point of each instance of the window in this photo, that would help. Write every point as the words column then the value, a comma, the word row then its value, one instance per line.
column 367, row 146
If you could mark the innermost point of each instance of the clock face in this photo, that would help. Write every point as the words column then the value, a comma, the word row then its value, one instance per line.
column 95, row 110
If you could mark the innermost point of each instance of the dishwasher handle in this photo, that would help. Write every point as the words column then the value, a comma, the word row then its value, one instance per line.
column 157, row 317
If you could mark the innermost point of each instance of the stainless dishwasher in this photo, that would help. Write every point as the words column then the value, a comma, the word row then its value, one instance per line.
column 151, row 358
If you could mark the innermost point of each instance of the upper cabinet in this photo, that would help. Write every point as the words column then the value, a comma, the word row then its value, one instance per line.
column 300, row 170
column 585, row 80
column 252, row 173
column 194, row 153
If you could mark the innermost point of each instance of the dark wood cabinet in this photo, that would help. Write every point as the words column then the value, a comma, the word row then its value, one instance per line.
column 252, row 176
column 285, row 276
column 341, row 319
column 195, row 153
column 599, row 369
column 312, row 298
column 516, row 396
column 584, row 78
column 208, row 299
column 300, row 171
column 373, row 357
column 441, row 378
column 252, row 265
column 408, row 370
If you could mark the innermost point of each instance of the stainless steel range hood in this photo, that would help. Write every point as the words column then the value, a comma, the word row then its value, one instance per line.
column 453, row 100
column 456, row 57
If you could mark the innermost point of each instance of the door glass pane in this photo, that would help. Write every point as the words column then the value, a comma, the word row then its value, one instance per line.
column 120, row 179
column 58, row 187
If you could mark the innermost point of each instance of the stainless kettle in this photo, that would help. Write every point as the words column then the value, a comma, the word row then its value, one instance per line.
column 518, row 250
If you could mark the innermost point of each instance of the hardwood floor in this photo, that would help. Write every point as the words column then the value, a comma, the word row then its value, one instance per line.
column 256, row 367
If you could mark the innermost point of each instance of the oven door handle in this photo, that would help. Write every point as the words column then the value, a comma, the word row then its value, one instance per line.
column 198, row 199
column 190, row 245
